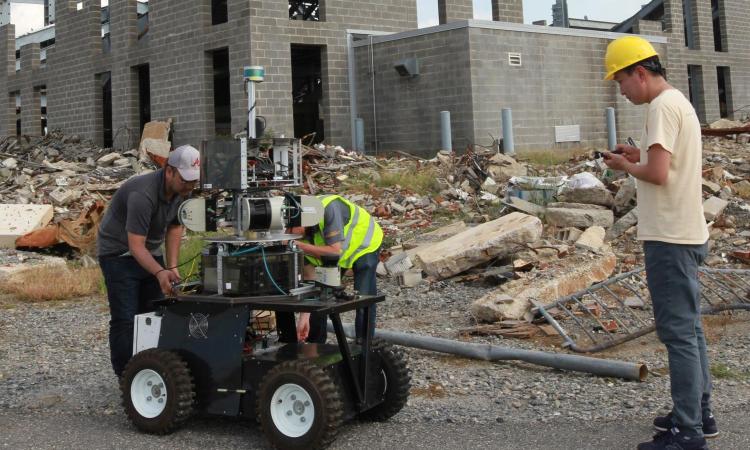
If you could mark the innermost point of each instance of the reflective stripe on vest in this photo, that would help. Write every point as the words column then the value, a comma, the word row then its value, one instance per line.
column 362, row 234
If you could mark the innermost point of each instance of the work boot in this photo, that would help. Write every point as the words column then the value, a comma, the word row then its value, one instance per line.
column 710, row 430
column 674, row 440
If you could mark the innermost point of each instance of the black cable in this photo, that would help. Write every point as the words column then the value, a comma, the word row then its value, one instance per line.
column 180, row 265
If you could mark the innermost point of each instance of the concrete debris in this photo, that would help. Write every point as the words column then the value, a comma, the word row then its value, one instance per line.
column 155, row 141
column 622, row 225
column 478, row 245
column 713, row 207
column 589, row 196
column 591, row 239
column 410, row 278
column 13, row 262
column 567, row 276
column 742, row 189
column 17, row 220
column 578, row 217
column 523, row 246
column 398, row 263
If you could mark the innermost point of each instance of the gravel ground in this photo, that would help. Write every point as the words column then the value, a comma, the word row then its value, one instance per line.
column 55, row 358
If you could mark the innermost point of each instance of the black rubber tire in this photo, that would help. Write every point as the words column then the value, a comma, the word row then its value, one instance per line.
column 392, row 381
column 178, row 384
column 325, row 395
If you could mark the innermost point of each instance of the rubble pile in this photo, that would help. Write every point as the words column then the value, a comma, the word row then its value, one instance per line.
column 63, row 171
column 534, row 232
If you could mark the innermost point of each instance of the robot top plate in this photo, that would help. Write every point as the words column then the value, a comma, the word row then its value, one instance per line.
column 259, row 237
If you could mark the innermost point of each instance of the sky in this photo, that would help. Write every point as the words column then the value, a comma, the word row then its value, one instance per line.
column 609, row 11
column 30, row 17
column 26, row 17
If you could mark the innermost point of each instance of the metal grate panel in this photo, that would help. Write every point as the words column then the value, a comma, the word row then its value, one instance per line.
column 619, row 309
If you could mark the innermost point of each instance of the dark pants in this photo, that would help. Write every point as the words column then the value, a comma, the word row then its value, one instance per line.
column 672, row 275
column 365, row 283
column 130, row 291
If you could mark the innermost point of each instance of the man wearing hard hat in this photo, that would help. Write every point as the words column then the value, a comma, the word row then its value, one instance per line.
column 667, row 167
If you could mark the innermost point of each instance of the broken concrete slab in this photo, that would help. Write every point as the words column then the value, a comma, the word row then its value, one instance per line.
column 571, row 205
column 108, row 159
column 10, row 163
column 17, row 220
column 398, row 263
column 526, row 207
column 625, row 195
column 575, row 273
column 491, row 309
column 436, row 235
column 713, row 207
column 622, row 225
column 155, row 141
column 499, row 237
column 588, row 196
column 502, row 167
column 742, row 189
column 410, row 278
column 579, row 218
column 61, row 196
column 490, row 186
column 15, row 262
column 711, row 187
column 591, row 239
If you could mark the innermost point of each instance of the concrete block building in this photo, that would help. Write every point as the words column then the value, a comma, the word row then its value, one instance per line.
column 104, row 72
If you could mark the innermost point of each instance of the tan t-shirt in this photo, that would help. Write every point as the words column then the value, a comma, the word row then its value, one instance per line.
column 673, row 212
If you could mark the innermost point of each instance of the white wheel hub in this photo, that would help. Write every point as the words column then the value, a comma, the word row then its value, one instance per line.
column 292, row 410
column 148, row 394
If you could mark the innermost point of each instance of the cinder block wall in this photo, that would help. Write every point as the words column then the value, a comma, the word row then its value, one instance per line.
column 507, row 11
column 272, row 34
column 178, row 48
column 72, row 89
column 7, row 75
column 560, row 82
column 734, row 18
column 408, row 109
column 466, row 71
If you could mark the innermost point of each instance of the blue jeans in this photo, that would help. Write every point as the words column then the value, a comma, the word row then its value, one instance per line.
column 131, row 290
column 365, row 283
column 672, row 275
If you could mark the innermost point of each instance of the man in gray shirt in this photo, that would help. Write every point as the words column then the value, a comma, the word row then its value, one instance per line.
column 141, row 216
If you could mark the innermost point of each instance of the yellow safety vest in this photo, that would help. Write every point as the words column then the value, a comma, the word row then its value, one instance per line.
column 362, row 235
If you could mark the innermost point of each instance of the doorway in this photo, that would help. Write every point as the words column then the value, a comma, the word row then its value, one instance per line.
column 307, row 92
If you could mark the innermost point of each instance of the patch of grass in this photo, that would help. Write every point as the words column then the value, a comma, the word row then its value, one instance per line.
column 190, row 253
column 422, row 182
column 722, row 371
column 53, row 283
column 549, row 157
column 358, row 183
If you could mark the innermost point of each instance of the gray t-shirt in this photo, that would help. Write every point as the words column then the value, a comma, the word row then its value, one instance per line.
column 139, row 207
column 335, row 216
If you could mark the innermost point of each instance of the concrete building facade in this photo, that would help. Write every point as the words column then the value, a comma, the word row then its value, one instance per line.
column 330, row 61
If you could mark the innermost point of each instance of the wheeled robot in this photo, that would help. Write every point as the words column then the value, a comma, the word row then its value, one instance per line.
column 214, row 348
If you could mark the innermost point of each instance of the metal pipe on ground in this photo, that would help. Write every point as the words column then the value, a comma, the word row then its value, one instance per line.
column 487, row 352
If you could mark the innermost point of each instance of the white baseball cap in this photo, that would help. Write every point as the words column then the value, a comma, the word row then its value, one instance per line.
column 187, row 160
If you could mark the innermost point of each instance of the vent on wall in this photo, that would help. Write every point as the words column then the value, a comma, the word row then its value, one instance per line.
column 514, row 59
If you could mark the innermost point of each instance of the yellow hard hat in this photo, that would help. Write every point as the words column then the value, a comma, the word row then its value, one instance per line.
column 625, row 51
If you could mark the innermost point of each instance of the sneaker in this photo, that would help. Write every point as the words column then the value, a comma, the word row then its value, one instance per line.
column 710, row 430
column 674, row 440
